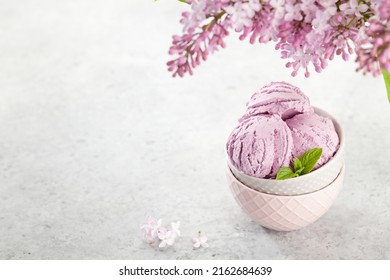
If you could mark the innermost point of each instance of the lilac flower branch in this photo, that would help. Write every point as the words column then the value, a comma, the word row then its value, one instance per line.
column 308, row 33
column 192, row 47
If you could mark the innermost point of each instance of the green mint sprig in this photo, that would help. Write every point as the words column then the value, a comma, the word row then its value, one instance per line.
column 302, row 165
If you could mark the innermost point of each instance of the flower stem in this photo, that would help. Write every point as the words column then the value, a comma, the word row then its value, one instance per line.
column 386, row 77
column 215, row 19
column 350, row 22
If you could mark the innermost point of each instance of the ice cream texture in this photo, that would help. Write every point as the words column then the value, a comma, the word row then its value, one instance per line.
column 279, row 124
column 260, row 145
column 309, row 131
column 279, row 98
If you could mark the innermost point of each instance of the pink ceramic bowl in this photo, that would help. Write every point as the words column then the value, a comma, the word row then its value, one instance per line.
column 281, row 212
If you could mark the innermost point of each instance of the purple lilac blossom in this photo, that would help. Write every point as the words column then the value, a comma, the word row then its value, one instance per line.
column 308, row 33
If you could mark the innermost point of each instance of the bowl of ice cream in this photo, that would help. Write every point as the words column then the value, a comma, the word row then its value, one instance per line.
column 278, row 126
column 284, row 212
column 278, row 133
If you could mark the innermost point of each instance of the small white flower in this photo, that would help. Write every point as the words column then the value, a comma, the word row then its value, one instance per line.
column 150, row 228
column 309, row 9
column 200, row 241
column 277, row 4
column 361, row 35
column 353, row 7
column 153, row 231
column 339, row 42
column 252, row 7
column 328, row 4
column 321, row 21
column 303, row 58
column 167, row 237
column 279, row 9
column 198, row 10
column 293, row 12
column 241, row 13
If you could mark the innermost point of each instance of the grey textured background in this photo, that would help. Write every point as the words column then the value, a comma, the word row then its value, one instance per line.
column 95, row 136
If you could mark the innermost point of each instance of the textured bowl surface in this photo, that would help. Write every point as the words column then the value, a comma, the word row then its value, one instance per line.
column 308, row 183
column 284, row 213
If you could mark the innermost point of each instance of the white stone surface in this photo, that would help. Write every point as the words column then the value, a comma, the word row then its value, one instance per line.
column 95, row 136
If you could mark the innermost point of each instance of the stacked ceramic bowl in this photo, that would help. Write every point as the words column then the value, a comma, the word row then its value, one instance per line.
column 294, row 203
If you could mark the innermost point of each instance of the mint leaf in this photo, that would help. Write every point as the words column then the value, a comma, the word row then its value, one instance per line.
column 299, row 171
column 302, row 165
column 285, row 173
column 309, row 159
column 386, row 77
column 297, row 165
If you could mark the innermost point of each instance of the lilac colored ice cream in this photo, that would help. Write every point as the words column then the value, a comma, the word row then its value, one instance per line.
column 279, row 124
column 260, row 145
column 278, row 98
column 309, row 131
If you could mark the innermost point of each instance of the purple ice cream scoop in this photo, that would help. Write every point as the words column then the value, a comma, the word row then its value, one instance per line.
column 260, row 145
column 278, row 98
column 310, row 131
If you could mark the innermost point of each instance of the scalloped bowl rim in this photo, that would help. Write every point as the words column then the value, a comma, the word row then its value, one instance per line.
column 340, row 176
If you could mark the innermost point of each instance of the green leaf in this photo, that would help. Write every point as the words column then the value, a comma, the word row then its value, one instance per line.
column 309, row 159
column 386, row 77
column 297, row 165
column 299, row 171
column 285, row 173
